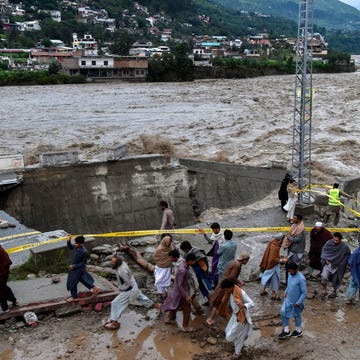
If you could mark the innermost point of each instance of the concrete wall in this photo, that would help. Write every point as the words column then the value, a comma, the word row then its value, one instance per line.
column 224, row 185
column 124, row 195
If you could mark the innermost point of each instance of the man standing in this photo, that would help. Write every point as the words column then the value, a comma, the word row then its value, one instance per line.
column 5, row 292
column 334, row 258
column 334, row 204
column 319, row 235
column 270, row 267
column 226, row 252
column 354, row 282
column 293, row 304
column 216, row 239
column 129, row 293
column 162, row 272
column 179, row 296
column 168, row 219
column 295, row 240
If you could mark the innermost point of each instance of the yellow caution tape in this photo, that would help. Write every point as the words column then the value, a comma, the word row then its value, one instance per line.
column 175, row 231
column 33, row 245
column 20, row 235
column 354, row 212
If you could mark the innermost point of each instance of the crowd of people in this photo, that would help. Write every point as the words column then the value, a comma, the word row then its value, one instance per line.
column 216, row 285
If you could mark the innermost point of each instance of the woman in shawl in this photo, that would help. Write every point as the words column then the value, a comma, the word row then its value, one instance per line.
column 240, row 324
column 292, row 190
column 270, row 267
column 163, row 264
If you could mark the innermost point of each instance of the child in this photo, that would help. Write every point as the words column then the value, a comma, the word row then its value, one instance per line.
column 77, row 268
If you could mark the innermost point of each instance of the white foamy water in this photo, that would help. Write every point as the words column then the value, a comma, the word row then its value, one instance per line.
column 247, row 121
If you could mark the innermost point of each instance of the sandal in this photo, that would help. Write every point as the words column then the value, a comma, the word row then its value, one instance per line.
column 95, row 290
column 209, row 322
column 70, row 299
column 263, row 293
column 113, row 325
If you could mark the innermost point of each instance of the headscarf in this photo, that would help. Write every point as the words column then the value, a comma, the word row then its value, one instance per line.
column 161, row 255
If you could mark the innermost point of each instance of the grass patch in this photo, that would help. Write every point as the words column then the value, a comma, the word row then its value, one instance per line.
column 55, row 264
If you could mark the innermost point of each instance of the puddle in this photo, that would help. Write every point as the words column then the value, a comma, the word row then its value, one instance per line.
column 141, row 339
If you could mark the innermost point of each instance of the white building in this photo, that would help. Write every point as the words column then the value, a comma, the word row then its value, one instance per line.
column 29, row 25
column 87, row 43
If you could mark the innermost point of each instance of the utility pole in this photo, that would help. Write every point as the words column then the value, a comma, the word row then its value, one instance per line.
column 303, row 98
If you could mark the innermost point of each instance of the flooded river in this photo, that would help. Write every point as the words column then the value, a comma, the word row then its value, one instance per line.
column 248, row 121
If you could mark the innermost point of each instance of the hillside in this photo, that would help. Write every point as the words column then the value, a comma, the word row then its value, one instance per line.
column 332, row 14
column 184, row 17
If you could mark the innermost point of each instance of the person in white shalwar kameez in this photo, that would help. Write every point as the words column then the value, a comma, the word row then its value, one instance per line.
column 240, row 325
column 129, row 293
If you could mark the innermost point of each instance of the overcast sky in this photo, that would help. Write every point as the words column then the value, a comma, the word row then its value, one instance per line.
column 354, row 3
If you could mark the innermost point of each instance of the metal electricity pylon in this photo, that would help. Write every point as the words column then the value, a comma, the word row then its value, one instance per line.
column 303, row 98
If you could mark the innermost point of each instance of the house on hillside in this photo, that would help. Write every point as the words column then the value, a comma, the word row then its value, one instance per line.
column 28, row 25
column 55, row 14
column 106, row 67
column 87, row 43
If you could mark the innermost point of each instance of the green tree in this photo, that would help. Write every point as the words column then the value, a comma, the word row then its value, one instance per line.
column 122, row 43
column 54, row 68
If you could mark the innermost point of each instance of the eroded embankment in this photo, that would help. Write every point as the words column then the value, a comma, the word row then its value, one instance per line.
column 124, row 195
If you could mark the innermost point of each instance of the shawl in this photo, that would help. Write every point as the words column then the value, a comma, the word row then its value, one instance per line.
column 354, row 262
column 271, row 255
column 297, row 229
column 161, row 255
column 319, row 238
column 224, row 306
column 292, row 191
column 336, row 254
column 237, row 293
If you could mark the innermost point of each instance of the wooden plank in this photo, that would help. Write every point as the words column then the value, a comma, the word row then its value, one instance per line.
column 52, row 305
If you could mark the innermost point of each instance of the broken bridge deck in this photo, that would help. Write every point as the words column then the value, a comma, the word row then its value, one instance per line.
column 43, row 295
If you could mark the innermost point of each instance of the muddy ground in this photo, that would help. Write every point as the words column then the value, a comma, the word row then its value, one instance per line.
column 330, row 332
column 330, row 326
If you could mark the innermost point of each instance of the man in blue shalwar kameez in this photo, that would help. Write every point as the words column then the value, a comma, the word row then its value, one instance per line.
column 354, row 282
column 78, row 272
column 293, row 305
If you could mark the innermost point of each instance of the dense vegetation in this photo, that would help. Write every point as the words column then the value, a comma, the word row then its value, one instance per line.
column 327, row 13
column 40, row 77
column 183, row 17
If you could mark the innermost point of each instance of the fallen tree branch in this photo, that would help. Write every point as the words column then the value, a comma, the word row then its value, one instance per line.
column 137, row 257
column 100, row 269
